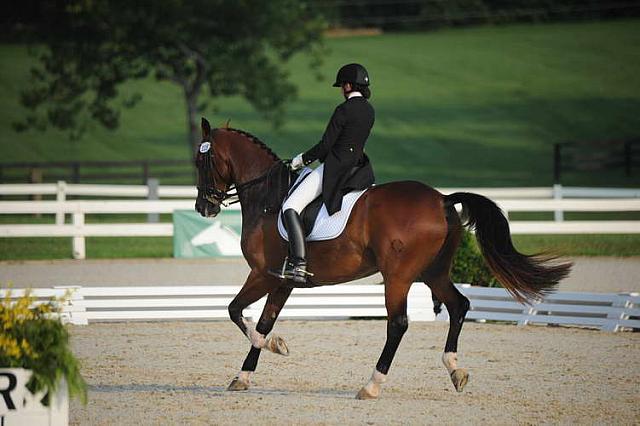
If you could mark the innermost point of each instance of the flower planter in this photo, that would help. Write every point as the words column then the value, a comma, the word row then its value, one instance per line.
column 18, row 406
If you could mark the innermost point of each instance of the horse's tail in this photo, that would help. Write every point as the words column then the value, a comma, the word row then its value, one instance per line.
column 526, row 277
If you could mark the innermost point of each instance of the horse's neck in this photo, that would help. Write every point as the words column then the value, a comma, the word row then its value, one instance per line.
column 250, row 161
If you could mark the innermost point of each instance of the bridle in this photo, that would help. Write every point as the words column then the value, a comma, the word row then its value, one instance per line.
column 215, row 195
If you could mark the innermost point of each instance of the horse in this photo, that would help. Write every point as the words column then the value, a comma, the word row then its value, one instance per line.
column 405, row 230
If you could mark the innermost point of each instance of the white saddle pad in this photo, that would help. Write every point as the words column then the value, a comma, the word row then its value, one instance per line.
column 327, row 227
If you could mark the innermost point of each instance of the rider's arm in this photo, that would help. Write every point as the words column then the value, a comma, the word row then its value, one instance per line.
column 322, row 148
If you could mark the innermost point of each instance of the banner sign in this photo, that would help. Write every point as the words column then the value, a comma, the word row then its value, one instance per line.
column 19, row 407
column 197, row 236
column 12, row 389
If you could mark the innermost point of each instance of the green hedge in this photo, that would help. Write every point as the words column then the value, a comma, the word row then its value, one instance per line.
column 469, row 266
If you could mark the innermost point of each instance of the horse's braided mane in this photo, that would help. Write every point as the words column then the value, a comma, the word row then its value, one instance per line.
column 256, row 141
column 277, row 181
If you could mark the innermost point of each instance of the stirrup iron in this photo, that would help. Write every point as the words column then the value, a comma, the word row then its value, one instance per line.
column 292, row 272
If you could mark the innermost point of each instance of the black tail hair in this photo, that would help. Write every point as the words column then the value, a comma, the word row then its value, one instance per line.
column 526, row 277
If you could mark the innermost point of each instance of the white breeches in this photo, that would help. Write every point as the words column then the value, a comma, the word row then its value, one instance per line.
column 306, row 192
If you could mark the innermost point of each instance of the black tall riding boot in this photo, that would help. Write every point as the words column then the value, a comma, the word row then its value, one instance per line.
column 296, row 268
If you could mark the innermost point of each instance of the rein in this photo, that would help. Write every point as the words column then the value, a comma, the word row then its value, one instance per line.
column 213, row 194
column 238, row 188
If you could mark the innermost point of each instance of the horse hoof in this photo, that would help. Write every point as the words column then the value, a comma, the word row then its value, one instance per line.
column 238, row 385
column 459, row 377
column 364, row 394
column 277, row 345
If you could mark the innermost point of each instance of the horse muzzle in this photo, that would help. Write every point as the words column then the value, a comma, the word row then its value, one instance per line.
column 206, row 208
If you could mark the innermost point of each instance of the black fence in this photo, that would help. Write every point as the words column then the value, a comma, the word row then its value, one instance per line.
column 426, row 14
column 136, row 171
column 595, row 156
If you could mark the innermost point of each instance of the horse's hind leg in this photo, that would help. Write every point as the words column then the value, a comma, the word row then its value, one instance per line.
column 457, row 305
column 397, row 324
column 437, row 277
column 275, row 344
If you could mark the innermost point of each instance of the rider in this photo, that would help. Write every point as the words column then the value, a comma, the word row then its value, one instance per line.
column 345, row 166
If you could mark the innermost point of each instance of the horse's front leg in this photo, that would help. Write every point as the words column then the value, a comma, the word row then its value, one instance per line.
column 258, row 336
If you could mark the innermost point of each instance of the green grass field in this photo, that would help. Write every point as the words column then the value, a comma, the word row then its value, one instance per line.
column 478, row 106
column 158, row 247
column 460, row 107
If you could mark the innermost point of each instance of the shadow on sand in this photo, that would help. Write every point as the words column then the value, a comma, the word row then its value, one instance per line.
column 217, row 390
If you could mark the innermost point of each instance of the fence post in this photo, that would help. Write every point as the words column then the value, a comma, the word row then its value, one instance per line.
column 617, row 313
column 145, row 172
column 152, row 194
column 75, row 172
column 61, row 197
column 78, row 240
column 558, row 215
column 627, row 158
column 35, row 176
column 557, row 163
column 74, row 310
column 527, row 313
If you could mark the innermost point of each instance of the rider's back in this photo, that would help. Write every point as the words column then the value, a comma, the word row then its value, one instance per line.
column 359, row 116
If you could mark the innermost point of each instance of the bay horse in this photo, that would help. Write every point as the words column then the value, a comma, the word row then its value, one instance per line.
column 406, row 230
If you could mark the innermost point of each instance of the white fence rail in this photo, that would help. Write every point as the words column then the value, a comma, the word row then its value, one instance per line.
column 532, row 199
column 606, row 311
column 610, row 312
column 84, row 304
column 63, row 189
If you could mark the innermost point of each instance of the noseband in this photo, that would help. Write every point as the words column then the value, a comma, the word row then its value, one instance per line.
column 208, row 187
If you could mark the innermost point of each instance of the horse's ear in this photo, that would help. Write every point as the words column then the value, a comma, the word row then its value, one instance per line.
column 226, row 125
column 206, row 129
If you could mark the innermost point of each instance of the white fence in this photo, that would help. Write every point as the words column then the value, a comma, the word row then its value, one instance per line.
column 531, row 199
column 610, row 312
column 606, row 311
column 84, row 304
column 62, row 189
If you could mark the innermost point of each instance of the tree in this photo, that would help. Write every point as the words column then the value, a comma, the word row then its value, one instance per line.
column 223, row 47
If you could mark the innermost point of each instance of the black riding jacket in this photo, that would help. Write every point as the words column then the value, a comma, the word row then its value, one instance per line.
column 341, row 149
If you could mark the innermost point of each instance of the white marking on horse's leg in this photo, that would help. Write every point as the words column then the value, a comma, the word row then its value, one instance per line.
column 245, row 376
column 459, row 376
column 373, row 387
column 257, row 340
column 450, row 361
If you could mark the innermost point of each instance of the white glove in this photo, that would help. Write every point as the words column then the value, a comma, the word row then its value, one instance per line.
column 297, row 162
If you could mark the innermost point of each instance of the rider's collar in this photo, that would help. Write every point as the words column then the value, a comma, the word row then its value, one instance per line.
column 353, row 94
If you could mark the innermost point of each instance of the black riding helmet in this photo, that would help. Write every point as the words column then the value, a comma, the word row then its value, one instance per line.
column 352, row 73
